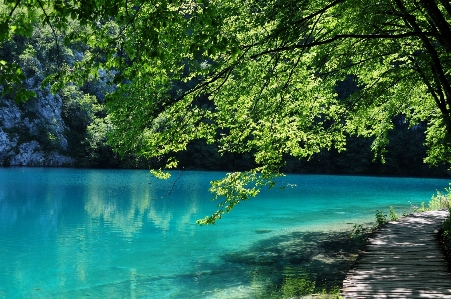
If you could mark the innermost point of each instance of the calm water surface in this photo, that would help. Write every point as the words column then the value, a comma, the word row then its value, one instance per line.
column 72, row 233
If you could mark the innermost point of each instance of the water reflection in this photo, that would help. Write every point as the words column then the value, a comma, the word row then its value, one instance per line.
column 125, row 213
column 124, row 203
column 127, row 207
column 67, row 233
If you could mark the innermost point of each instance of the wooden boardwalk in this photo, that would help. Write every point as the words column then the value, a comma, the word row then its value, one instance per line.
column 402, row 260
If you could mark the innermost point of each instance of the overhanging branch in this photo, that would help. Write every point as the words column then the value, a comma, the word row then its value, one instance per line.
column 319, row 12
column 340, row 37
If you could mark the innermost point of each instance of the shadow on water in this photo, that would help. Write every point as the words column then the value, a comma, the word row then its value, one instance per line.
column 297, row 263
column 283, row 266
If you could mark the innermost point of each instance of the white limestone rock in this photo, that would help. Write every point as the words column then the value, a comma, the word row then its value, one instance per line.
column 6, row 143
column 29, row 155
column 10, row 114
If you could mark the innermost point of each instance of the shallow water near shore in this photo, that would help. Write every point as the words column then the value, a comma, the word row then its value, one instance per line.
column 74, row 233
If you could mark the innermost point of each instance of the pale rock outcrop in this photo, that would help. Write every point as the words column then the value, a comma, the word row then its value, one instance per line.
column 29, row 155
column 41, row 115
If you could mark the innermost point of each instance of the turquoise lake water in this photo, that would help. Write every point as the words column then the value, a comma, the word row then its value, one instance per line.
column 74, row 233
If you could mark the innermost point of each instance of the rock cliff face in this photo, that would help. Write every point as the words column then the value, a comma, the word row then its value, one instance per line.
column 50, row 129
column 32, row 134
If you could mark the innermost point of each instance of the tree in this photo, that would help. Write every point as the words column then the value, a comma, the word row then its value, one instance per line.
column 260, row 77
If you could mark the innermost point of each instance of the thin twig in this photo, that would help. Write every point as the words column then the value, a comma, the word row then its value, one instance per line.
column 47, row 20
column 173, row 185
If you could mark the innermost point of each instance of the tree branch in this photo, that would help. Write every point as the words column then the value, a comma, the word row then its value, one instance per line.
column 447, row 5
column 436, row 63
column 439, row 21
column 47, row 20
column 440, row 104
column 350, row 65
column 340, row 37
column 12, row 11
column 319, row 12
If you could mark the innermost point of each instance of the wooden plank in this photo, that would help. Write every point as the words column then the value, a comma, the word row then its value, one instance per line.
column 384, row 285
column 402, row 260
column 398, row 296
column 392, row 278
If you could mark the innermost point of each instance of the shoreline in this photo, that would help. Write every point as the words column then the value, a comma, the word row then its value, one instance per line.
column 316, row 260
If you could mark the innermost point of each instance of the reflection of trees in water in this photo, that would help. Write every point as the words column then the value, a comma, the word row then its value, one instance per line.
column 73, row 252
column 161, row 219
column 188, row 220
column 125, row 212
column 126, row 209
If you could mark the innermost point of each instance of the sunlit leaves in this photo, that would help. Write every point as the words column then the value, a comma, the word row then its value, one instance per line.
column 237, row 187
column 439, row 141
column 12, row 77
column 259, row 77
column 254, row 77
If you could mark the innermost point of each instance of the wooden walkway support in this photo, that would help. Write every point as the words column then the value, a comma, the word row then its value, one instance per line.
column 402, row 260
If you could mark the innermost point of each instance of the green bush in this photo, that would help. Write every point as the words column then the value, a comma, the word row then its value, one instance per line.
column 440, row 201
column 360, row 233
column 393, row 215
column 445, row 238
column 381, row 218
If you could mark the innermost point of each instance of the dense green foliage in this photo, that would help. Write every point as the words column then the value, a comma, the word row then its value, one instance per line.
column 258, row 78
column 56, row 122
column 445, row 239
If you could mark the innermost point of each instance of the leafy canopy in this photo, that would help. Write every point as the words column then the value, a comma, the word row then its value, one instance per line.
column 260, row 77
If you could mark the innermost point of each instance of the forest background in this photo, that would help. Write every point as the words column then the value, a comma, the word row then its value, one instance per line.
column 60, row 62
column 69, row 127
